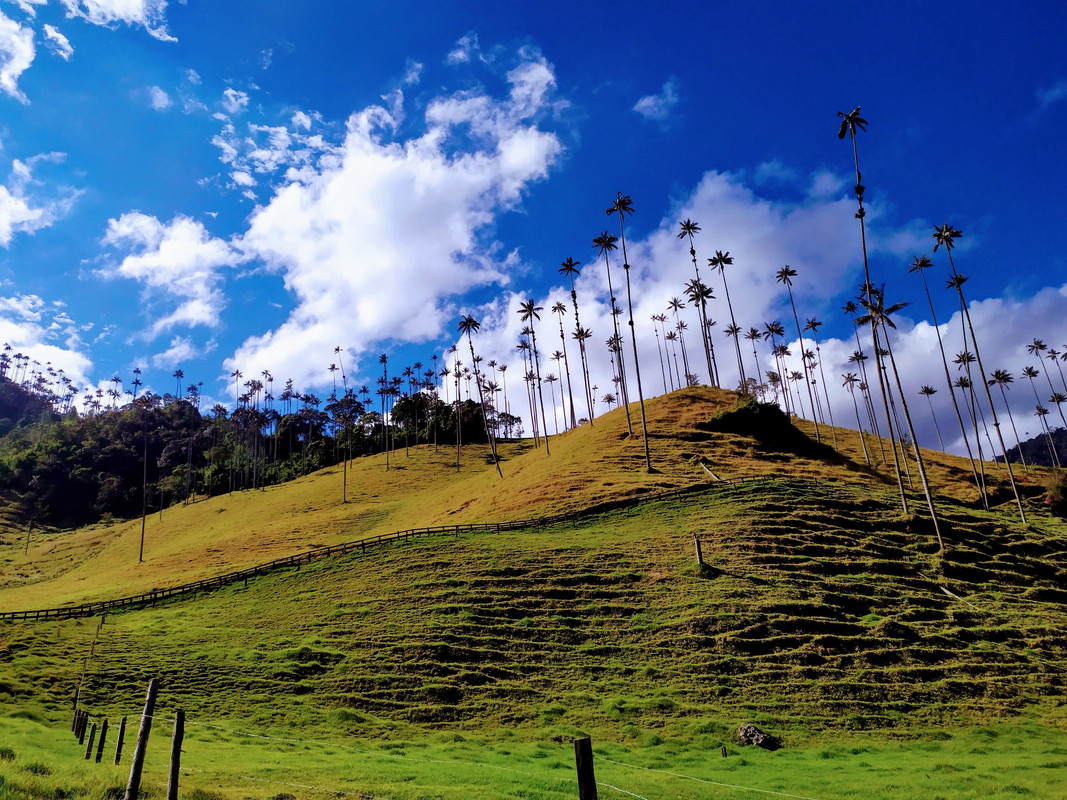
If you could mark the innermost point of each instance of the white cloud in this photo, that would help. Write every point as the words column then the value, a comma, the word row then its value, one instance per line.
column 22, row 210
column 234, row 101
column 181, row 349
column 27, row 327
column 266, row 57
column 147, row 14
column 158, row 99
column 193, row 77
column 370, row 220
column 465, row 48
column 29, row 6
column 826, row 184
column 774, row 171
column 413, row 74
column 16, row 55
column 658, row 107
column 1053, row 94
column 301, row 120
column 58, row 43
column 177, row 262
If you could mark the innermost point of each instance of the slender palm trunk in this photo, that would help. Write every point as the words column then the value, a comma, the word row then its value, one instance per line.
column 618, row 337
column 937, row 427
column 915, row 446
column 989, row 397
column 659, row 347
column 581, row 351
column 733, row 322
column 861, row 216
column 567, row 370
column 1018, row 444
column 702, row 315
column 1045, row 428
column 859, row 426
column 1051, row 388
column 540, row 395
column 633, row 341
column 804, row 363
column 829, row 411
column 485, row 414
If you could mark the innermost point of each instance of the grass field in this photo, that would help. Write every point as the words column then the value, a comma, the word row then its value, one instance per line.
column 462, row 667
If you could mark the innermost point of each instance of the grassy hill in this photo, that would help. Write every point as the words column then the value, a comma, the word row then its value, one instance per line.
column 823, row 614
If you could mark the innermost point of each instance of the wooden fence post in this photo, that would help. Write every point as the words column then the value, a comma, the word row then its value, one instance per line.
column 81, row 728
column 583, row 761
column 176, row 755
column 89, row 747
column 103, row 738
column 118, row 742
column 700, row 551
column 133, row 787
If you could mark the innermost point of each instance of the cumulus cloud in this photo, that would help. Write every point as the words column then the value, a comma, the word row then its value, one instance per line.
column 234, row 101
column 24, row 206
column 147, row 14
column 371, row 219
column 413, row 73
column 181, row 349
column 16, row 55
column 178, row 262
column 58, row 43
column 31, row 327
column 158, row 99
column 658, row 107
column 465, row 49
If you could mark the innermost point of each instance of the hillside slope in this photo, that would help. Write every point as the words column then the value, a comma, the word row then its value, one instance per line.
column 422, row 487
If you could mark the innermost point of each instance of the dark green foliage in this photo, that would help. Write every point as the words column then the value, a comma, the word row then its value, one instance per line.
column 1057, row 496
column 770, row 426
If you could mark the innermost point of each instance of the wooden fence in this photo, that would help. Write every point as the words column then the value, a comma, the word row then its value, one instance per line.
column 150, row 598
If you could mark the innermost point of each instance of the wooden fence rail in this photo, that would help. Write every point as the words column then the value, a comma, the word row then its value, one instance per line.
column 150, row 598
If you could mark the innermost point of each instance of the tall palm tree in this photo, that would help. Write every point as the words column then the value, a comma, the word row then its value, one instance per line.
column 1002, row 378
column 674, row 305
column 569, row 268
column 928, row 392
column 672, row 337
column 551, row 379
column 920, row 265
column 699, row 293
column 882, row 319
column 1054, row 354
column 469, row 325
column 527, row 373
column 772, row 330
column 528, row 312
column 690, row 229
column 605, row 243
column 850, row 123
column 850, row 383
column 945, row 235
column 754, row 335
column 813, row 325
column 659, row 346
column 1037, row 348
column 1042, row 412
column 785, row 276
column 721, row 261
column 560, row 309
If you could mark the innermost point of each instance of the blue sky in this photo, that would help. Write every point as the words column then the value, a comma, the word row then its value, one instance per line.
column 248, row 185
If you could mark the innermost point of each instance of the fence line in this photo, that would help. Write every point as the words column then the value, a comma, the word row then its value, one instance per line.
column 344, row 548
column 704, row 780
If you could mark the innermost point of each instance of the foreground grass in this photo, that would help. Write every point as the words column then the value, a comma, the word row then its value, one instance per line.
column 1006, row 761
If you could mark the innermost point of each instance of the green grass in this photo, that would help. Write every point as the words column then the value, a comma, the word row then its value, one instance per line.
column 463, row 667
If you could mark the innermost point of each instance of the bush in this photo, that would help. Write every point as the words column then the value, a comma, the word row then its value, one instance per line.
column 7, row 754
column 1056, row 499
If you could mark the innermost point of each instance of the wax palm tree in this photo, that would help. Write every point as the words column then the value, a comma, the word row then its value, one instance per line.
column 754, row 335
column 1003, row 378
column 605, row 243
column 672, row 337
column 674, row 305
column 699, row 293
column 813, row 325
column 551, row 379
column 945, row 236
column 1053, row 355
column 1031, row 373
column 659, row 346
column 772, row 330
column 920, row 265
column 528, row 312
column 850, row 123
column 469, row 325
column 721, row 261
column 569, row 268
column 559, row 309
column 850, row 383
column 785, row 276
column 178, row 375
column 1037, row 348
column 689, row 230
column 928, row 392
column 880, row 316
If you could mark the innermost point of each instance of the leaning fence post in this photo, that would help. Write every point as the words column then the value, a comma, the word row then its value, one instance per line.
column 176, row 755
column 89, row 747
column 700, row 552
column 103, row 738
column 81, row 728
column 583, row 761
column 133, row 787
column 118, row 742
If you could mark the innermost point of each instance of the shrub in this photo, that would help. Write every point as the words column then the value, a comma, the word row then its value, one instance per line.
column 7, row 754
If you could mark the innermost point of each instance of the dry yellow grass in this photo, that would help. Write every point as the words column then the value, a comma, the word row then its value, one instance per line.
column 589, row 465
